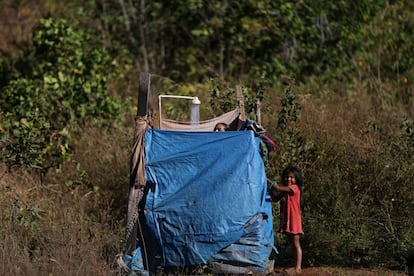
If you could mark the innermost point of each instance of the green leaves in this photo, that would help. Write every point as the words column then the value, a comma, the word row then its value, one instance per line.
column 407, row 137
column 27, row 215
column 290, row 111
column 65, row 86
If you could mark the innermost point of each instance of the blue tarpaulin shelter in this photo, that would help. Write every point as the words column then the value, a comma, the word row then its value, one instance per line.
column 196, row 197
column 206, row 202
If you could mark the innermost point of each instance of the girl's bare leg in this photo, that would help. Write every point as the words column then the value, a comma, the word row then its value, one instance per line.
column 298, row 252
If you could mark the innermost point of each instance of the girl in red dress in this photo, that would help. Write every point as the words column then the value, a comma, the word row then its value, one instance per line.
column 290, row 214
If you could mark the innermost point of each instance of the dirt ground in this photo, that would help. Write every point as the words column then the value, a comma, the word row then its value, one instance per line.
column 332, row 271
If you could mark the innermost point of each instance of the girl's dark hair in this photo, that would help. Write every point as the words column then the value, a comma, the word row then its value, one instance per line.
column 226, row 126
column 296, row 172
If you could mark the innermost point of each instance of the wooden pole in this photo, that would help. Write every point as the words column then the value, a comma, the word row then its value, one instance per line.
column 240, row 102
column 258, row 112
column 143, row 93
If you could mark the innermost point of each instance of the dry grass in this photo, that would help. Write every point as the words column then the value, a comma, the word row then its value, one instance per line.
column 62, row 227
column 343, row 119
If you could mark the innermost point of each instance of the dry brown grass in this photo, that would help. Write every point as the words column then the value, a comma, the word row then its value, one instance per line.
column 56, row 227
column 343, row 118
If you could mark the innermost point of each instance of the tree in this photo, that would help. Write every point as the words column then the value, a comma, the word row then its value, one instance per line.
column 59, row 83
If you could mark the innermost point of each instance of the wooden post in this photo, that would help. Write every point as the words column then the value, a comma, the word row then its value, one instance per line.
column 136, row 192
column 240, row 102
column 143, row 94
column 258, row 112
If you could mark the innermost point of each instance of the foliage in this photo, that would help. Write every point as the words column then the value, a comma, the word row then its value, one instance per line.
column 406, row 146
column 245, row 39
column 59, row 84
column 223, row 97
column 293, row 146
column 386, row 54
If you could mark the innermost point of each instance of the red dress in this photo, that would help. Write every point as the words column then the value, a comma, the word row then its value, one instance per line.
column 290, row 214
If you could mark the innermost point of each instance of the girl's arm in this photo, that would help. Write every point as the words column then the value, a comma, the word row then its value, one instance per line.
column 276, row 191
column 272, row 185
column 284, row 189
column 276, row 196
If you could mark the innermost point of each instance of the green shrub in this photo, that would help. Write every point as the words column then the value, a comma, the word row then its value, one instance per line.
column 60, row 85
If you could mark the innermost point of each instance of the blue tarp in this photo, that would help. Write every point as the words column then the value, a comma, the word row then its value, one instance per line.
column 206, row 201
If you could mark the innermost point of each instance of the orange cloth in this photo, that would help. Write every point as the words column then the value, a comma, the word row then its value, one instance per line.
column 290, row 214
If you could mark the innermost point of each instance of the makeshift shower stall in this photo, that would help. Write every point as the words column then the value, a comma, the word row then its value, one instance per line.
column 197, row 197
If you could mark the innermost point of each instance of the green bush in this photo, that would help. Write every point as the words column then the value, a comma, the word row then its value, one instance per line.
column 59, row 85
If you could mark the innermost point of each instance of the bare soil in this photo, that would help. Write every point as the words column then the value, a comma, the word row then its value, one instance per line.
column 329, row 271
